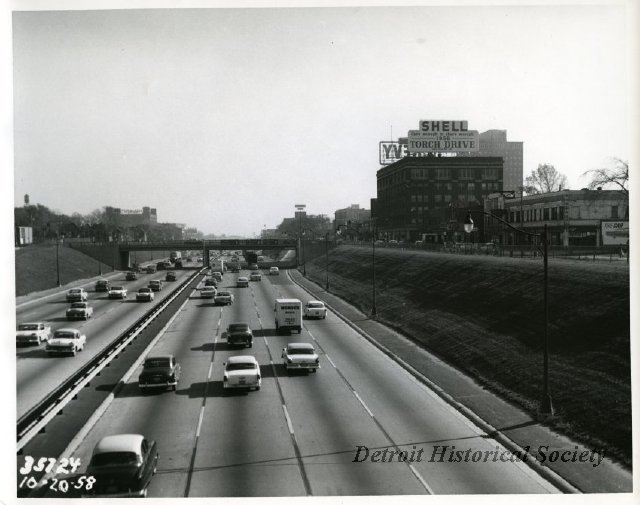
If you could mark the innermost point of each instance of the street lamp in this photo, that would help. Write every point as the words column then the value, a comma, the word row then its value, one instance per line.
column 326, row 251
column 546, row 405
column 58, row 259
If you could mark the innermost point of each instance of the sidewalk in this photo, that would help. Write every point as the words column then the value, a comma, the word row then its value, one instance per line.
column 503, row 421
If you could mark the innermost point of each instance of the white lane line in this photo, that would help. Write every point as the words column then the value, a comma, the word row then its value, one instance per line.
column 200, row 421
column 422, row 481
column 362, row 402
column 332, row 363
column 286, row 414
column 210, row 370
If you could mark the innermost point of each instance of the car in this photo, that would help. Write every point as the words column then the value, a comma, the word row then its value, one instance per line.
column 160, row 265
column 255, row 276
column 315, row 308
column 79, row 310
column 235, row 268
column 208, row 292
column 123, row 466
column 252, row 266
column 118, row 292
column 77, row 295
column 393, row 242
column 211, row 282
column 274, row 271
column 240, row 334
column 160, row 371
column 171, row 276
column 131, row 276
column 66, row 341
column 242, row 282
column 102, row 285
column 135, row 268
column 144, row 295
column 300, row 356
column 32, row 333
column 241, row 372
column 155, row 285
column 151, row 269
column 217, row 276
column 223, row 298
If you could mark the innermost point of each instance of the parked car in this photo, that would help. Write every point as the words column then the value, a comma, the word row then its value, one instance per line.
column 66, row 341
column 223, row 298
column 315, row 308
column 118, row 292
column 155, row 285
column 274, row 271
column 131, row 276
column 145, row 295
column 171, row 276
column 123, row 466
column 102, row 285
column 300, row 356
column 77, row 295
column 79, row 310
column 242, row 282
column 241, row 372
column 160, row 371
column 32, row 333
column 255, row 276
column 240, row 334
column 208, row 292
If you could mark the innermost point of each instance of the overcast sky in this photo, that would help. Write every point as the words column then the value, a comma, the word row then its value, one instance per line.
column 224, row 119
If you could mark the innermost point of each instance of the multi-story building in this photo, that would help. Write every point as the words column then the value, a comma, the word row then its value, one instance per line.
column 352, row 215
column 573, row 218
column 416, row 195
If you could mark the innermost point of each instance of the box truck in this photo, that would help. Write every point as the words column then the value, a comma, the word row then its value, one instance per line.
column 288, row 314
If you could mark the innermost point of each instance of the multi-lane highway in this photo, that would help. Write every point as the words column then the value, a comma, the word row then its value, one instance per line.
column 298, row 435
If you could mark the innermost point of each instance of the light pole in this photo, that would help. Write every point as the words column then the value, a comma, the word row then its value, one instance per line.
column 326, row 251
column 546, row 404
column 374, row 310
column 58, row 260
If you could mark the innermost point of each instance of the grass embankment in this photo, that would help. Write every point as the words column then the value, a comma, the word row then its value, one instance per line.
column 36, row 266
column 485, row 316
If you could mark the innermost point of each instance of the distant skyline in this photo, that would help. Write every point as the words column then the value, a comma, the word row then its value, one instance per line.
column 224, row 119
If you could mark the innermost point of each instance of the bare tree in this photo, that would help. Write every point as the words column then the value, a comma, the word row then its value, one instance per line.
column 616, row 176
column 544, row 179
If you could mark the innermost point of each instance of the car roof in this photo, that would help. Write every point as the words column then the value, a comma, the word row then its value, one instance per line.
column 119, row 443
column 238, row 323
column 316, row 301
column 299, row 345
column 71, row 330
column 160, row 356
column 241, row 359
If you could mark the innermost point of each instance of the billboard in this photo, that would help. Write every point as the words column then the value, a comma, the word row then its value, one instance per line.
column 615, row 232
column 443, row 141
column 390, row 152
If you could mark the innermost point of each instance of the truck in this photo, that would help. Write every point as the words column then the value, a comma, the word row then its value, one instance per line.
column 217, row 266
column 252, row 259
column 288, row 315
column 174, row 255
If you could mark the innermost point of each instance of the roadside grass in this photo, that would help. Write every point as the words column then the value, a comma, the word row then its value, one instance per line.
column 484, row 315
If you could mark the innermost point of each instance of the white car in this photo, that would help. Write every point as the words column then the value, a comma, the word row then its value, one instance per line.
column 118, row 292
column 32, row 333
column 145, row 295
column 242, row 282
column 66, row 341
column 300, row 356
column 77, row 295
column 274, row 271
column 208, row 292
column 242, row 372
column 223, row 298
column 79, row 310
column 315, row 308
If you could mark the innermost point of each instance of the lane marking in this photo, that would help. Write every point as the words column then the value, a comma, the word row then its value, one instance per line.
column 200, row 421
column 422, row 481
column 286, row 414
column 210, row 370
column 330, row 361
column 362, row 402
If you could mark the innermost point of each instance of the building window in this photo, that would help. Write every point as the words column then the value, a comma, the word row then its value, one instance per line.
column 465, row 173
column 447, row 198
column 437, row 198
column 545, row 215
column 614, row 211
column 442, row 173
column 489, row 173
column 471, row 187
column 554, row 213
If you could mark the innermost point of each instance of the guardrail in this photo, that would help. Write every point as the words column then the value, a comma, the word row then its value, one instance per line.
column 32, row 422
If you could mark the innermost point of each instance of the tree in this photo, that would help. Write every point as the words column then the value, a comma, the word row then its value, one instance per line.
column 545, row 179
column 616, row 176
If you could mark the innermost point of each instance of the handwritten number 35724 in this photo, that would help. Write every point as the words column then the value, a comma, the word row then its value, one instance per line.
column 47, row 465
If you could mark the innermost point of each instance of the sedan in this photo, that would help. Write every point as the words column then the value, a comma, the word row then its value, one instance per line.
column 118, row 292
column 66, row 341
column 155, row 285
column 255, row 276
column 242, row 282
column 300, row 356
column 123, row 466
column 79, row 310
column 144, row 295
column 315, row 308
column 208, row 292
column 241, row 372
column 274, row 271
column 211, row 282
column 171, row 276
column 77, row 295
column 223, row 298
column 160, row 371
column 102, row 285
column 131, row 276
column 32, row 333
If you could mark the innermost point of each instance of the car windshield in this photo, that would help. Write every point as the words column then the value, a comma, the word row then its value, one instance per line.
column 224, row 293
column 300, row 351
column 116, row 288
column 102, row 282
column 316, row 305
column 74, row 291
column 78, row 305
column 240, row 366
column 115, row 459
column 157, row 363
column 144, row 290
column 65, row 334
column 27, row 327
column 238, row 327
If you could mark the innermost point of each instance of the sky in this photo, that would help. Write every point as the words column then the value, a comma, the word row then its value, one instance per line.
column 225, row 119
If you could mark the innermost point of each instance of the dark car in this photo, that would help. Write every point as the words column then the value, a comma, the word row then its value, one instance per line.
column 160, row 372
column 102, row 285
column 122, row 466
column 131, row 276
column 240, row 334
column 160, row 265
column 171, row 276
column 211, row 282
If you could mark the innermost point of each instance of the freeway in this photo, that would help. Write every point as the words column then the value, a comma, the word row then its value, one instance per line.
column 37, row 373
column 300, row 434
